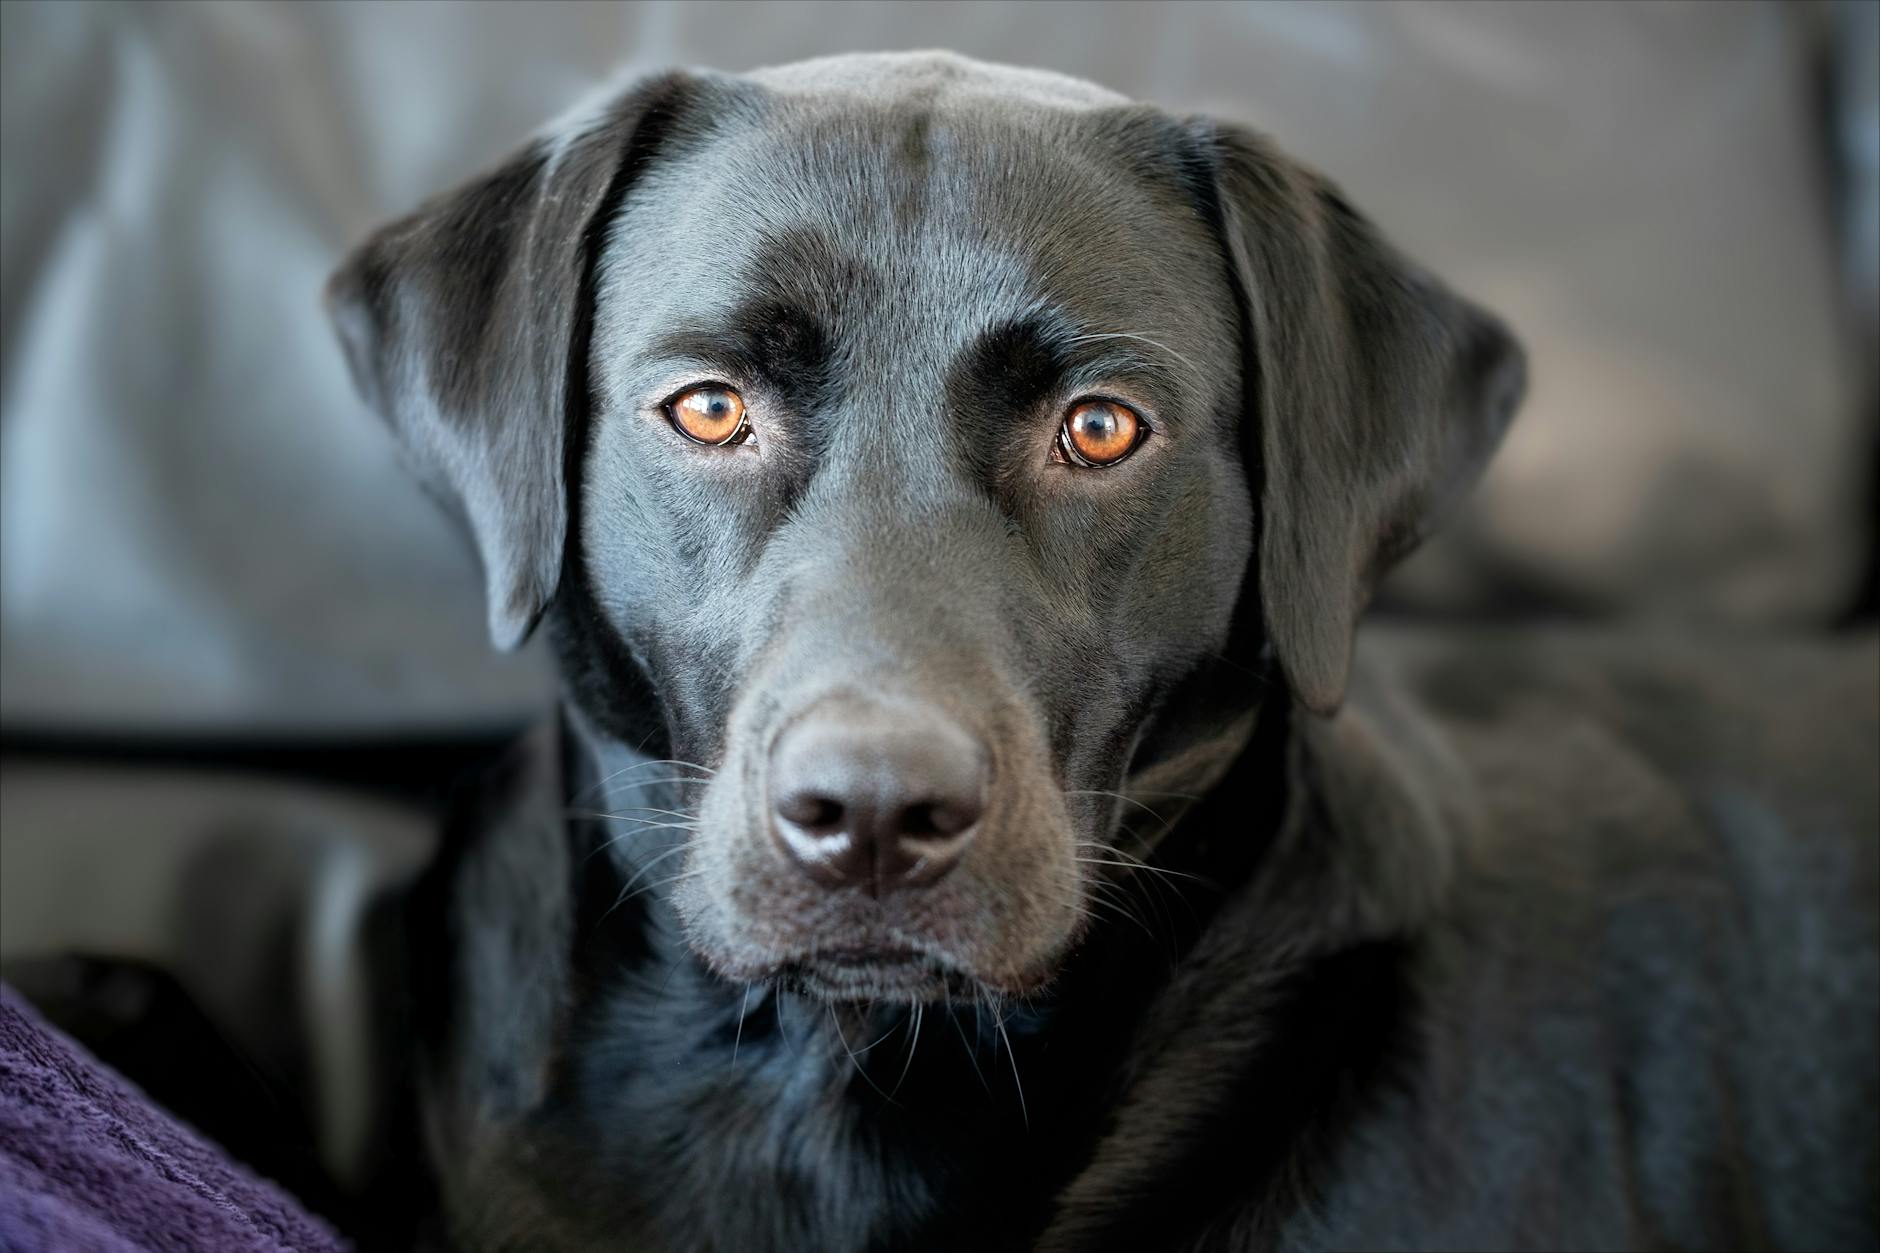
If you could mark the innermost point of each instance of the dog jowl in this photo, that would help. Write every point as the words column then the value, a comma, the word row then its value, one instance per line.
column 935, row 459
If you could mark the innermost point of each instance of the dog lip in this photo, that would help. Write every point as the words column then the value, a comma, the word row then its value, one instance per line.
column 865, row 973
column 872, row 974
column 853, row 957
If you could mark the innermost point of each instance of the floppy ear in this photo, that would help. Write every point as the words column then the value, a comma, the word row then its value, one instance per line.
column 1380, row 396
column 466, row 326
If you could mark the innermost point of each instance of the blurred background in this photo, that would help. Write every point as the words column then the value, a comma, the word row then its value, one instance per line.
column 241, row 655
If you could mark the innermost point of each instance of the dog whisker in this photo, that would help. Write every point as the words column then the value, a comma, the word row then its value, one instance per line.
column 707, row 772
column 1143, row 865
column 738, row 1039
column 917, row 1012
column 1121, row 896
column 1137, row 791
column 638, row 830
column 624, row 897
column 972, row 1051
column 878, row 1039
column 627, row 814
column 1023, row 1113
column 777, row 999
column 657, row 884
column 1162, row 877
column 641, row 827
column 1161, row 884
column 1164, row 824
column 856, row 1061
column 646, row 823
column 664, row 780
column 1137, row 862
column 1088, row 910
column 1128, row 800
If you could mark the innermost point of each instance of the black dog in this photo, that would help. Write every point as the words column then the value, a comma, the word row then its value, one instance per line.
column 950, row 492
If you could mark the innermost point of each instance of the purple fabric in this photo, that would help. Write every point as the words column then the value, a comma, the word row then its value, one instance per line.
column 88, row 1164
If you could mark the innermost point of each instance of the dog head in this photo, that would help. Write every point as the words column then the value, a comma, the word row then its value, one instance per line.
column 939, row 454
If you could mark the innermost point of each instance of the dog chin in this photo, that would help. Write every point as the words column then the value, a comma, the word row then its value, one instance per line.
column 863, row 975
column 877, row 976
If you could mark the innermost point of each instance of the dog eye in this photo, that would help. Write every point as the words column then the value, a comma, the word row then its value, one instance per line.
column 710, row 413
column 1100, row 432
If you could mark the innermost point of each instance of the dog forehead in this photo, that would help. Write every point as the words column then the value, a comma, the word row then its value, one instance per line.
column 930, row 75
column 950, row 203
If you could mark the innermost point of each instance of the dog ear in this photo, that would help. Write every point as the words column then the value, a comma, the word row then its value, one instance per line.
column 1380, row 395
column 465, row 326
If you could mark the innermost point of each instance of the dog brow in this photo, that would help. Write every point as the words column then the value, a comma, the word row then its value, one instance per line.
column 1013, row 366
column 774, row 343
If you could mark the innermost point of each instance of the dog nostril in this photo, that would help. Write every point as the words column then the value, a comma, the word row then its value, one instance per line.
column 815, row 813
column 934, row 819
column 918, row 820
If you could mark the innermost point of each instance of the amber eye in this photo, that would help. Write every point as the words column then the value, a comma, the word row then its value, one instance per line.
column 710, row 413
column 1100, row 432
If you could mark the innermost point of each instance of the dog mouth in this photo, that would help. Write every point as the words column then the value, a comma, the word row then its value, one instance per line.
column 868, row 974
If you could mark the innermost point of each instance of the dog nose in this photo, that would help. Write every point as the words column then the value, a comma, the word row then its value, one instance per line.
column 875, row 796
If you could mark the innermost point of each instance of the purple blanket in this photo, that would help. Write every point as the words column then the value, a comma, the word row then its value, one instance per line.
column 88, row 1163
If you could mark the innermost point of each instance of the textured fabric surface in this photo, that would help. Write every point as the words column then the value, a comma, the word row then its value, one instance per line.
column 88, row 1165
column 203, row 527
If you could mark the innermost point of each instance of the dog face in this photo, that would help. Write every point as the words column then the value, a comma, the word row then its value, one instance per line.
column 892, row 428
